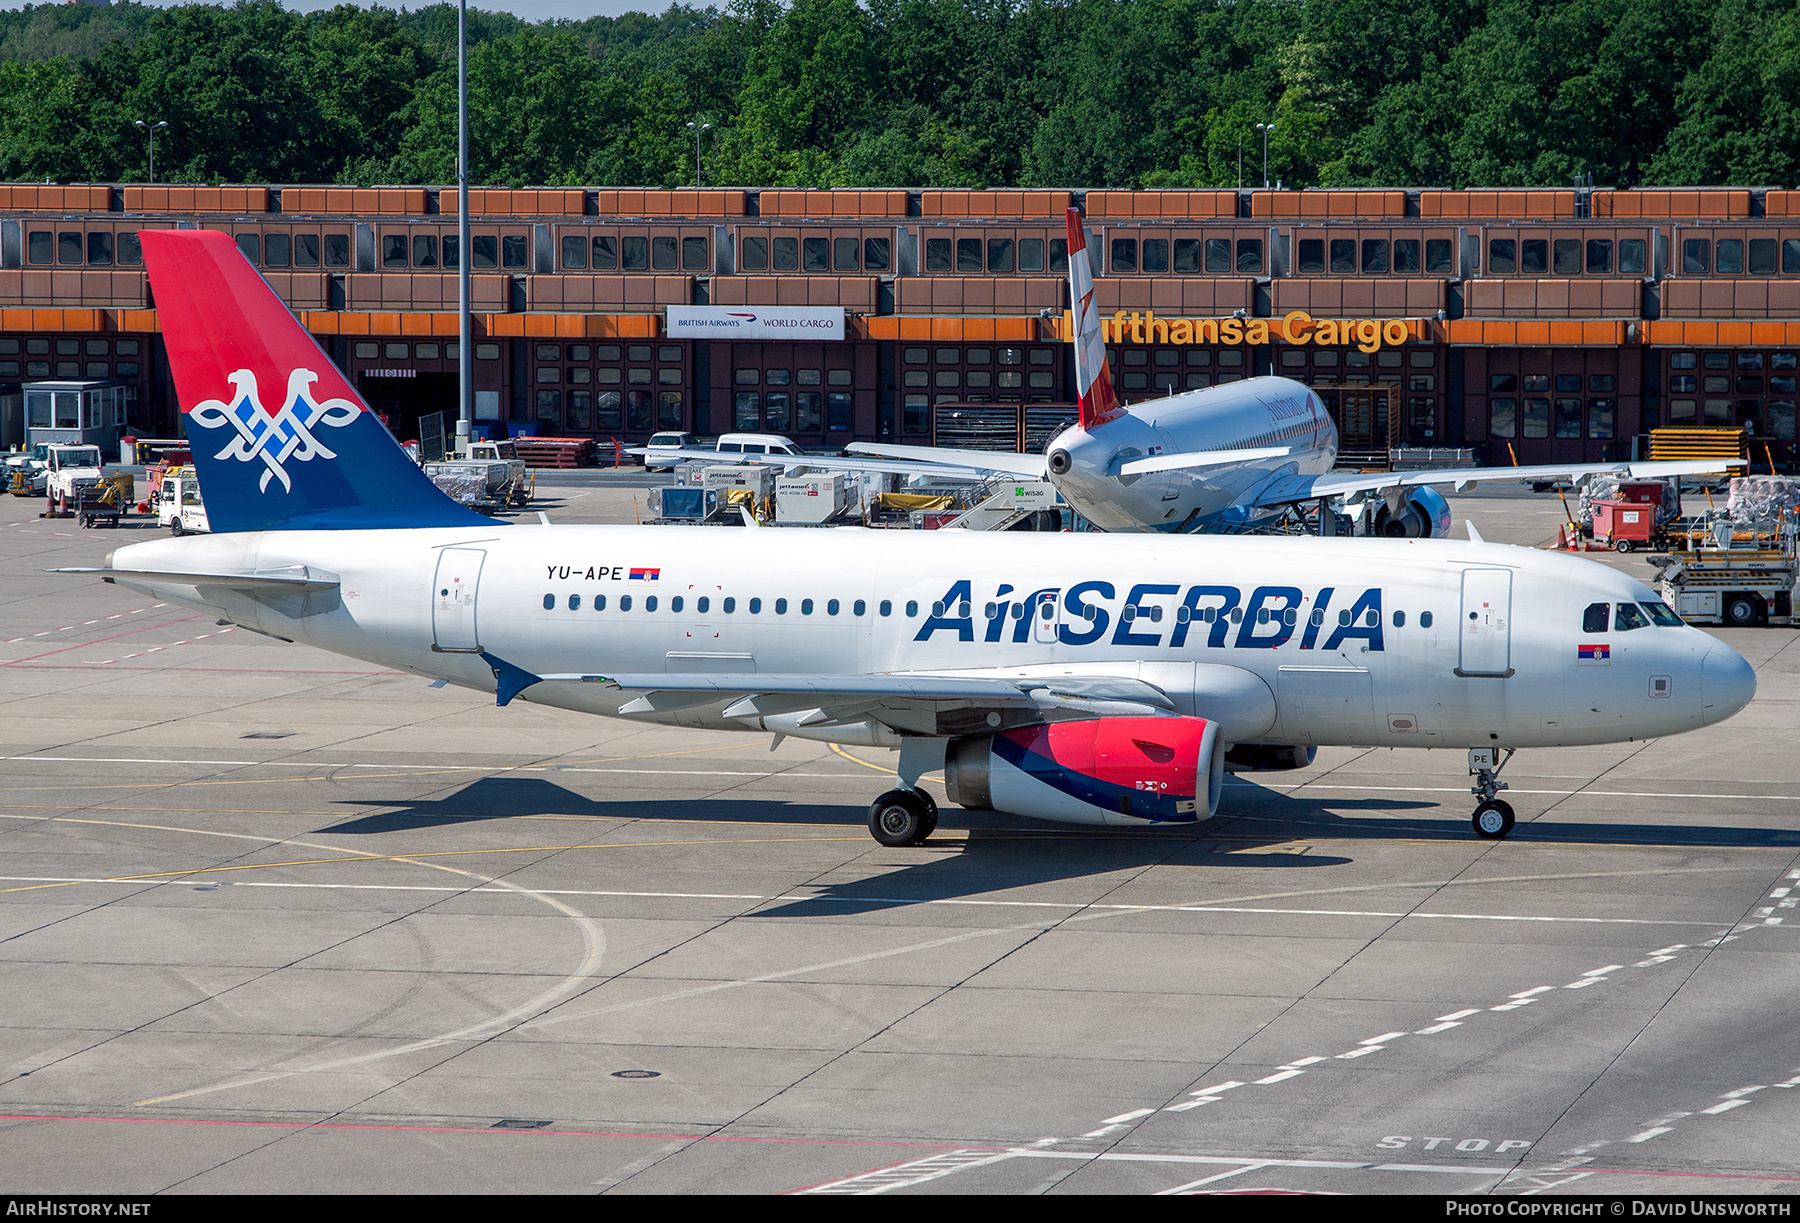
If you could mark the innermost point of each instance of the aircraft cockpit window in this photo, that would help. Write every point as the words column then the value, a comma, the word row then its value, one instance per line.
column 1663, row 614
column 1627, row 616
column 1593, row 620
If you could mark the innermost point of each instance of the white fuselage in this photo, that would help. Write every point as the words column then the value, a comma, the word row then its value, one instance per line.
column 1449, row 644
column 1253, row 414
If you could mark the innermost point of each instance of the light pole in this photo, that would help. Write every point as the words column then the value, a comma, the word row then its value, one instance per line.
column 697, row 129
column 464, row 364
column 151, row 130
column 1265, row 129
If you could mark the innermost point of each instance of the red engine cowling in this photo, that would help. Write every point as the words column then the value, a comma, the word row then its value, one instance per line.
column 1122, row 771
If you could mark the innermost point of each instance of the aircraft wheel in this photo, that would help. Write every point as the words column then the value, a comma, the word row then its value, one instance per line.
column 902, row 817
column 1493, row 820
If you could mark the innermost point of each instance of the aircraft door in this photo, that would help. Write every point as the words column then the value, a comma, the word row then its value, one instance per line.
column 1046, row 615
column 453, row 628
column 1486, row 623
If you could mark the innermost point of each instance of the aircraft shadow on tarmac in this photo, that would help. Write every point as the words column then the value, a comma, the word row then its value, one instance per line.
column 1004, row 852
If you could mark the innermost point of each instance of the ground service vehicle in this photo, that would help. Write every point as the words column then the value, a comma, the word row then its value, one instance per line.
column 178, row 504
column 1092, row 679
column 69, row 473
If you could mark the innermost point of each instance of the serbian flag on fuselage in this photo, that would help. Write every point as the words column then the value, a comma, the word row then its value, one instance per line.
column 645, row 575
column 1092, row 380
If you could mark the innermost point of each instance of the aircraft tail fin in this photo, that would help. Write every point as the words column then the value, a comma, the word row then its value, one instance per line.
column 1092, row 378
column 281, row 440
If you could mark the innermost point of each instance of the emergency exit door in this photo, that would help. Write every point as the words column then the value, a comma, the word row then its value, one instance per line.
column 1486, row 623
column 453, row 626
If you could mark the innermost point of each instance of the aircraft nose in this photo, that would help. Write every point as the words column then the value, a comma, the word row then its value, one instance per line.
column 1727, row 683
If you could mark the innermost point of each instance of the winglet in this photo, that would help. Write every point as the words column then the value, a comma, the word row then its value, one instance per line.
column 1474, row 535
column 509, row 680
column 1092, row 379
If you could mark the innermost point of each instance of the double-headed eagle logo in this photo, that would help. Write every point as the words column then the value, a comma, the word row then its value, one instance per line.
column 276, row 437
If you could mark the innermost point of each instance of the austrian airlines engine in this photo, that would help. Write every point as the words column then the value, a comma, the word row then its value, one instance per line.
column 1099, row 680
column 1220, row 459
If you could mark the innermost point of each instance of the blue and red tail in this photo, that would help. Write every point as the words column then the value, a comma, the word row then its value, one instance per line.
column 281, row 440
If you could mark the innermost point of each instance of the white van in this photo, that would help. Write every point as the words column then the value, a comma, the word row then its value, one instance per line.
column 757, row 443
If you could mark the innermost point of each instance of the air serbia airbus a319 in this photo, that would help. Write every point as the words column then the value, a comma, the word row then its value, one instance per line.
column 1221, row 459
column 1086, row 678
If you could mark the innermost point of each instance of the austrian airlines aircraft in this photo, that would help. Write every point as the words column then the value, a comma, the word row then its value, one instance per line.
column 1220, row 459
column 1098, row 680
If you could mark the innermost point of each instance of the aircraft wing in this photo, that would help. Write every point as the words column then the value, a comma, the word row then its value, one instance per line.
column 1285, row 490
column 973, row 470
column 906, row 701
column 1199, row 458
column 1013, row 466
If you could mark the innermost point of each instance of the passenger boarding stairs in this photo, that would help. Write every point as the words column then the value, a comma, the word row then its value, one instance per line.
column 1006, row 506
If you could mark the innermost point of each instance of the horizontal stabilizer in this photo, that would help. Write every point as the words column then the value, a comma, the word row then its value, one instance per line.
column 285, row 581
column 1200, row 458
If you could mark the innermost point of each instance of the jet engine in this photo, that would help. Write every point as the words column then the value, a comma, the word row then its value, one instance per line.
column 1422, row 514
column 1118, row 771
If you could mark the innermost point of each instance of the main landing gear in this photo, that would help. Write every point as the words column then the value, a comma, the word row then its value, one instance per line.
column 904, row 817
column 1493, row 818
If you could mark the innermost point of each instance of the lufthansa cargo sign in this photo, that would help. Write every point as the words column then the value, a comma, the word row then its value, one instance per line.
column 756, row 322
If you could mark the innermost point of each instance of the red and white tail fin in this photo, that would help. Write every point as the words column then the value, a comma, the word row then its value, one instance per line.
column 281, row 439
column 1092, row 378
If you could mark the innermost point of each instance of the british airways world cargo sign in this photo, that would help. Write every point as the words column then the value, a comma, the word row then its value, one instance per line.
column 756, row 322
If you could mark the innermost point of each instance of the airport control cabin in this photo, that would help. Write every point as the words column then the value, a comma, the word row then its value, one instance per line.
column 1532, row 326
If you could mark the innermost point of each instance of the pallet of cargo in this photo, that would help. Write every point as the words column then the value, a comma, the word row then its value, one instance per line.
column 555, row 452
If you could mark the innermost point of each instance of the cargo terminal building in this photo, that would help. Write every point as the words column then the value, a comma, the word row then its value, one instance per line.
column 1534, row 326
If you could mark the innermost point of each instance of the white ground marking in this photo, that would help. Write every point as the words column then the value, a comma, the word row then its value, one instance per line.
column 884, row 1180
column 593, row 938
column 564, row 768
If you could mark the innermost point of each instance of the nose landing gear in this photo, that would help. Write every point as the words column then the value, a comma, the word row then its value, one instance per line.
column 1493, row 818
